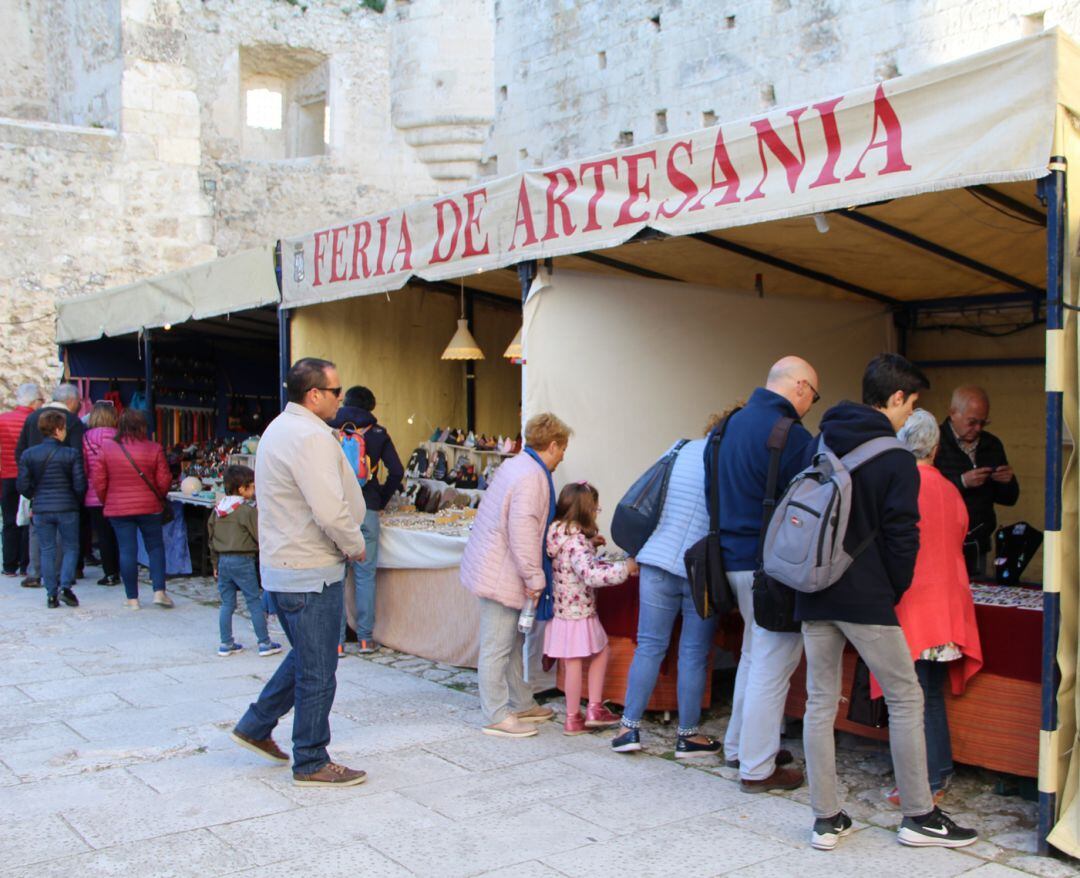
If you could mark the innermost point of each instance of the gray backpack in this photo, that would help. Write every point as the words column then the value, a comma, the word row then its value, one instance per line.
column 804, row 545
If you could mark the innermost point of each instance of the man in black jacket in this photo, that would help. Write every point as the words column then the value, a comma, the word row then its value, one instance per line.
column 386, row 475
column 52, row 476
column 975, row 462
column 859, row 607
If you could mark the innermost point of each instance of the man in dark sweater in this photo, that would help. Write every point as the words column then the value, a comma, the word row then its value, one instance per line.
column 386, row 475
column 975, row 462
column 768, row 658
column 859, row 607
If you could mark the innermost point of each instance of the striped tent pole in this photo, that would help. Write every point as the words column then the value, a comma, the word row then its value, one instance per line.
column 1053, row 193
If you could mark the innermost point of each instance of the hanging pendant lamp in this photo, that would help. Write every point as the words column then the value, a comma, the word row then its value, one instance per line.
column 462, row 346
column 513, row 350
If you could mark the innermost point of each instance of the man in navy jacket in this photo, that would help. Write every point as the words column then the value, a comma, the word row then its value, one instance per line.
column 752, row 741
column 859, row 608
column 379, row 448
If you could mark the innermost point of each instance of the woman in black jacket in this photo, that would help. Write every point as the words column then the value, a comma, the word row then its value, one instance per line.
column 52, row 476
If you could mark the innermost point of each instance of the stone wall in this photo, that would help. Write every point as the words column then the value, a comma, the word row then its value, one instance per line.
column 573, row 78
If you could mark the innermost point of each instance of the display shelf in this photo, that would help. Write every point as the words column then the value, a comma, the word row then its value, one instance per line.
column 446, row 446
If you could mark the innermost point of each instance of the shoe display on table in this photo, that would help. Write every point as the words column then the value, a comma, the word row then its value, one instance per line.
column 227, row 649
column 331, row 775
column 68, row 597
column 935, row 829
column 628, row 742
column 470, row 440
column 269, row 648
column 687, row 748
column 31, row 582
column 828, row 831
column 52, row 602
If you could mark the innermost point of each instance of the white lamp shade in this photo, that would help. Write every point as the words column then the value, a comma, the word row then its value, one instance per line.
column 463, row 346
column 513, row 350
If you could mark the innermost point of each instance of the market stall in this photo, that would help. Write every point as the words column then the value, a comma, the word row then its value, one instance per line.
column 198, row 351
column 907, row 216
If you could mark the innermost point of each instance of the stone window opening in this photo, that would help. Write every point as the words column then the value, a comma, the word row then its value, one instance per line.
column 285, row 108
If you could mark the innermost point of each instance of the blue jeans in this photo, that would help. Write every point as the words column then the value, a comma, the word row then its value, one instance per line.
column 237, row 573
column 126, row 528
column 364, row 580
column 306, row 679
column 48, row 525
column 933, row 677
column 663, row 597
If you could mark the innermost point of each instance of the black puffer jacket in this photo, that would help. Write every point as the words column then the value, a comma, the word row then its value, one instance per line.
column 884, row 496
column 55, row 483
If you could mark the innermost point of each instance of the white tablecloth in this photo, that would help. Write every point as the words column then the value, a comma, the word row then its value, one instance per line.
column 404, row 549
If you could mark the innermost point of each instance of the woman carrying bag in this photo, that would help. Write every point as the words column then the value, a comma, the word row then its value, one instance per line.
column 132, row 479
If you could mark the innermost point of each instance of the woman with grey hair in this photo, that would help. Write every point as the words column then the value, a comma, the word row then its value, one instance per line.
column 937, row 614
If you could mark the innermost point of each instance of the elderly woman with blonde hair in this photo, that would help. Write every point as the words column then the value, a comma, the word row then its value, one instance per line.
column 937, row 614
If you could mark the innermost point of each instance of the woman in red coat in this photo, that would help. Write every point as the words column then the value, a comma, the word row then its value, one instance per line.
column 937, row 614
column 132, row 478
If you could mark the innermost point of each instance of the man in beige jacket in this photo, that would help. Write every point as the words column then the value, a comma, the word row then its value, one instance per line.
column 310, row 509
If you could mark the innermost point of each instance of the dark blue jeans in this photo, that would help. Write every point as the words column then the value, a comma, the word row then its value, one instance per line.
column 934, row 677
column 306, row 679
column 237, row 573
column 48, row 525
column 126, row 528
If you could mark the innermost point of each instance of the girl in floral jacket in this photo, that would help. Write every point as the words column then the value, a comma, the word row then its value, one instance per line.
column 575, row 634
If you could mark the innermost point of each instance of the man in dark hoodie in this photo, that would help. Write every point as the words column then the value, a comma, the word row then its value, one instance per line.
column 859, row 607
column 356, row 414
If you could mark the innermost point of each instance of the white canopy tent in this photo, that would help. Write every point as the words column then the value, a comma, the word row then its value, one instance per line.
column 895, row 169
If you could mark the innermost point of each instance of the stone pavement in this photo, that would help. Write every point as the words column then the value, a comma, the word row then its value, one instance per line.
column 115, row 760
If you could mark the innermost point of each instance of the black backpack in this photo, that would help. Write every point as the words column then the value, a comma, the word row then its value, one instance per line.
column 418, row 464
column 638, row 511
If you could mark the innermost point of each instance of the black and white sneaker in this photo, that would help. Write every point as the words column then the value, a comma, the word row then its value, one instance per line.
column 687, row 748
column 627, row 742
column 935, row 829
column 829, row 830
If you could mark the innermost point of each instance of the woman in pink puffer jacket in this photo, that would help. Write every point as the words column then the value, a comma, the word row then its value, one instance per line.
column 102, row 428
column 503, row 566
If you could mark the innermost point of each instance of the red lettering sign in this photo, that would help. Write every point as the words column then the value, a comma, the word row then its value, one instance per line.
column 728, row 180
column 558, row 202
column 359, row 250
column 767, row 137
column 827, row 111
column 636, row 188
column 440, row 230
column 523, row 219
column 678, row 179
column 597, row 169
column 472, row 224
column 320, row 249
column 892, row 143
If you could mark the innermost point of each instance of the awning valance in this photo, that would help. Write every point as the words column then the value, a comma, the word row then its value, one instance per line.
column 988, row 118
column 224, row 286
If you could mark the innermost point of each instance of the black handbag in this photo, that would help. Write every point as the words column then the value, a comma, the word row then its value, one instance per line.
column 774, row 602
column 638, row 512
column 709, row 586
column 863, row 709
column 167, row 514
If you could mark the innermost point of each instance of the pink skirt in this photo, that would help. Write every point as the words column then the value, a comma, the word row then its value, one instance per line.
column 574, row 638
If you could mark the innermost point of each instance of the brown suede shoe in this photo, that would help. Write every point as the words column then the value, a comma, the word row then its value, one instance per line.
column 267, row 749
column 331, row 775
column 538, row 713
column 781, row 779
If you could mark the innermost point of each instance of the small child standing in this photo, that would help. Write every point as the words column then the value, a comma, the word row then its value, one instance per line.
column 575, row 634
column 234, row 545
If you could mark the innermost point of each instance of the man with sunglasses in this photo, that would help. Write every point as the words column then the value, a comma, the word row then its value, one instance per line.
column 974, row 460
column 310, row 510
column 768, row 658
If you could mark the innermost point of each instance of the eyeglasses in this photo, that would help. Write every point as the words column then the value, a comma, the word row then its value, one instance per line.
column 813, row 390
column 334, row 390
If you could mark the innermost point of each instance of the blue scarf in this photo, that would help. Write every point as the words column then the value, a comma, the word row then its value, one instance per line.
column 545, row 609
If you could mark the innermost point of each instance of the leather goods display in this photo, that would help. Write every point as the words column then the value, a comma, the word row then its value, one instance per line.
column 639, row 510
column 1016, row 545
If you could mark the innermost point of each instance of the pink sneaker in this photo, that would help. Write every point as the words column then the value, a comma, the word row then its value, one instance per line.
column 599, row 717
column 574, row 725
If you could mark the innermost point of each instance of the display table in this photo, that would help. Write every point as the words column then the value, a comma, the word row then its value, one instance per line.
column 195, row 510
column 995, row 723
column 177, row 552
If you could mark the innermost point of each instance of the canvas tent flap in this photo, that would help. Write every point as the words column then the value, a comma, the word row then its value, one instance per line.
column 234, row 283
column 632, row 365
column 988, row 118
